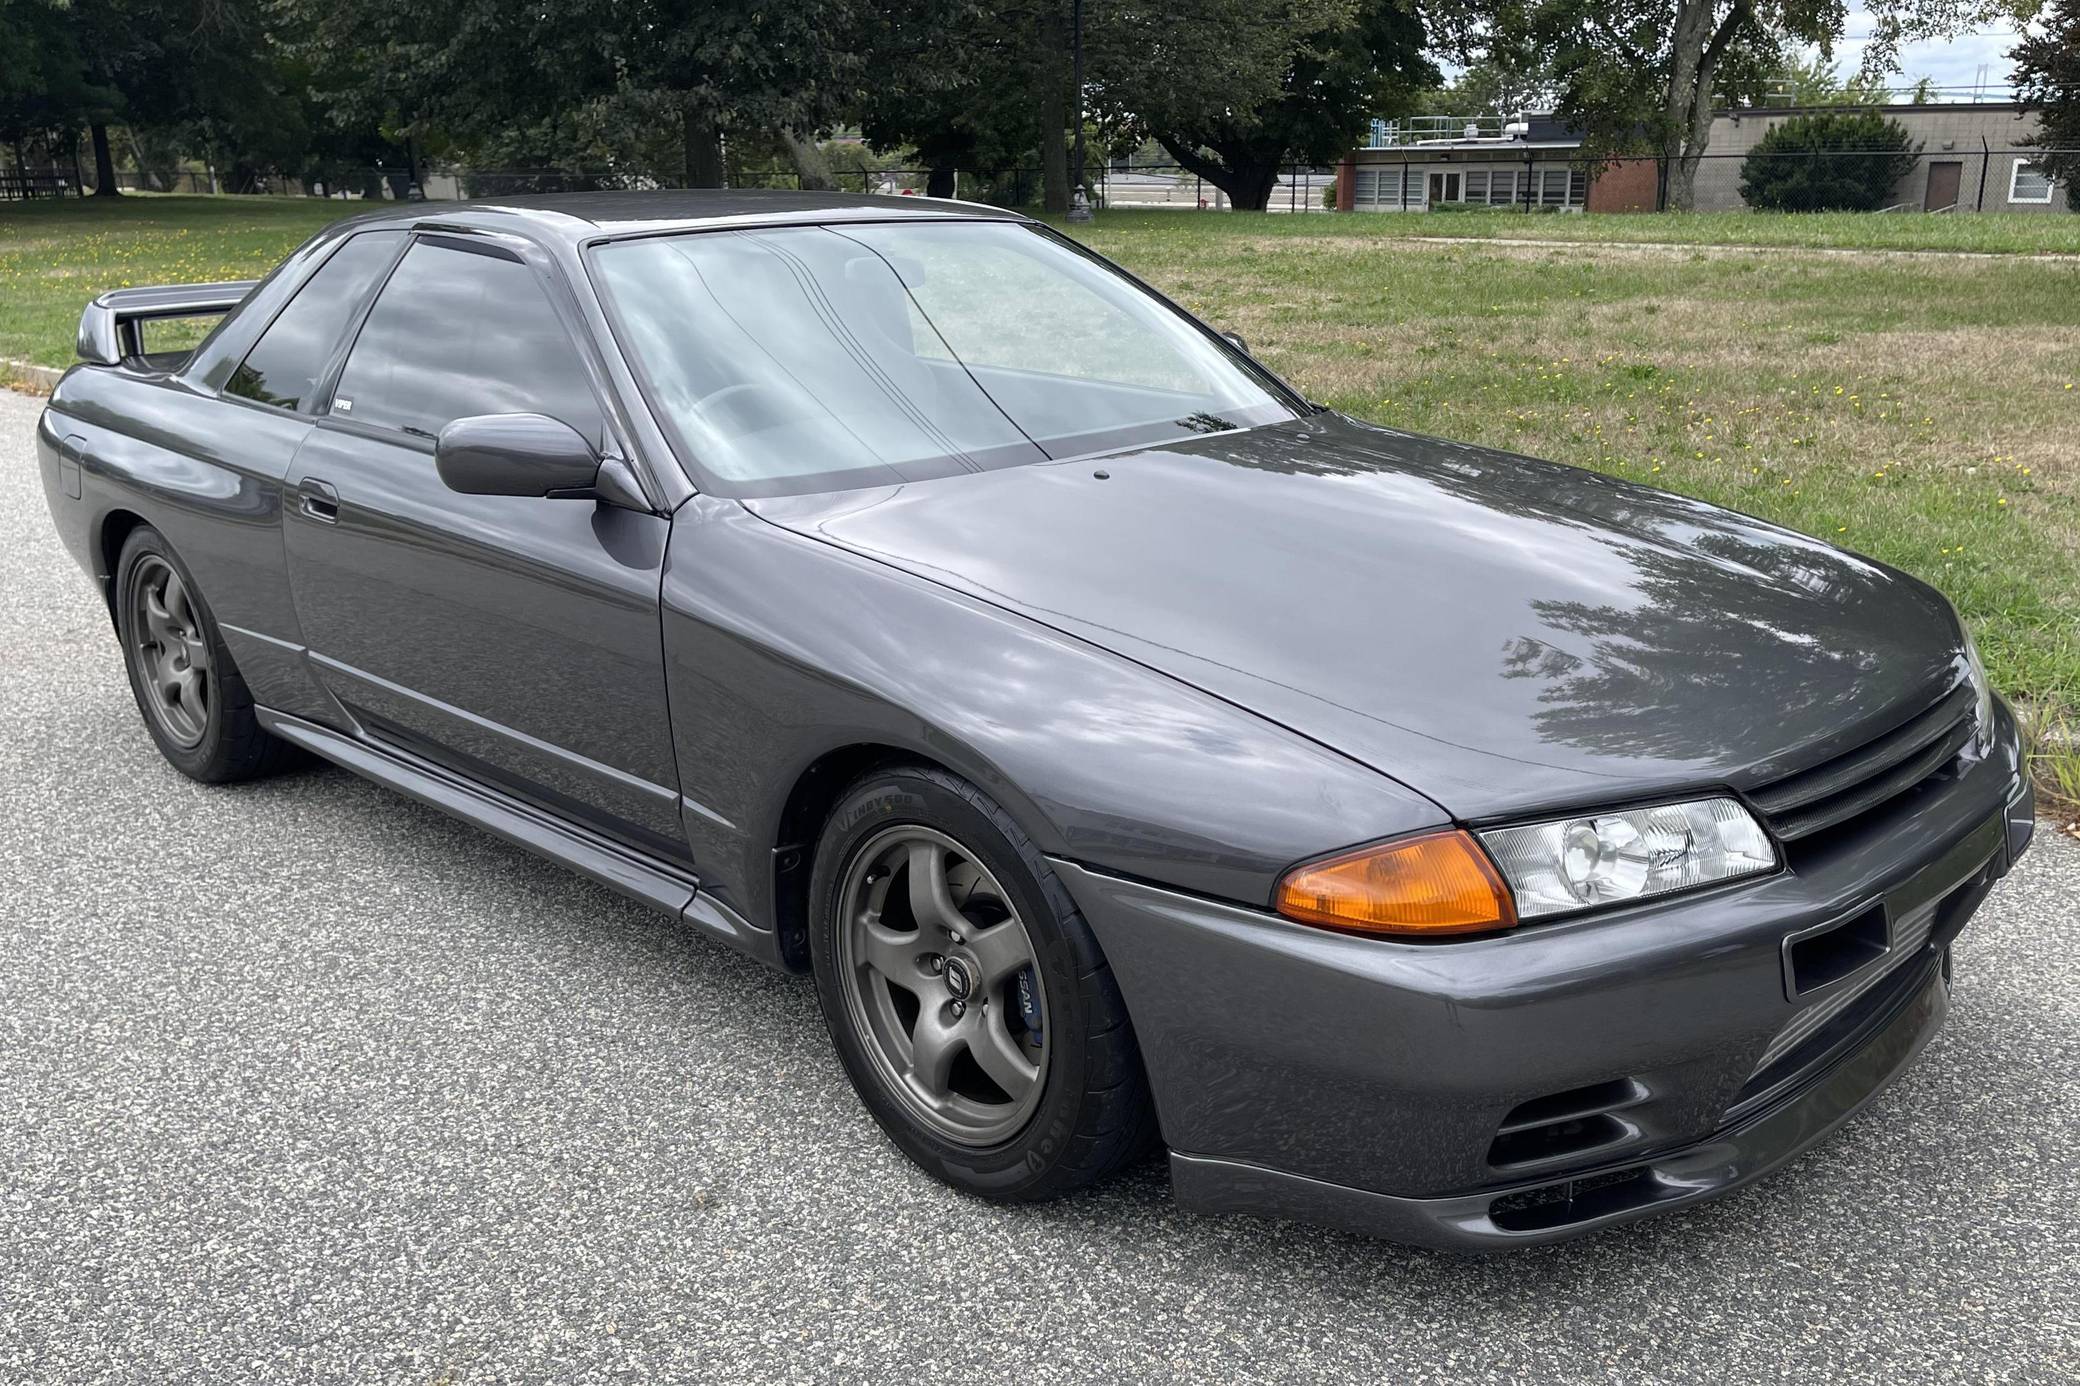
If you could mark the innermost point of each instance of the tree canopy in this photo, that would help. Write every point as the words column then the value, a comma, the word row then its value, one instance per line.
column 1357, row 62
column 2047, row 77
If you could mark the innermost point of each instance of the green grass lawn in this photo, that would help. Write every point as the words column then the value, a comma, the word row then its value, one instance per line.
column 1993, row 233
column 56, row 255
column 1924, row 410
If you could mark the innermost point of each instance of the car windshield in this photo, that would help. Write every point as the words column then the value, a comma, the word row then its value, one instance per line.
column 817, row 358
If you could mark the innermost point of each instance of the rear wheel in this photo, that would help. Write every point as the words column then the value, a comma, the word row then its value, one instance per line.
column 966, row 995
column 188, row 689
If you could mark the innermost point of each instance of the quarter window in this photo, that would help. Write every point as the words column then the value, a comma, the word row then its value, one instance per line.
column 284, row 366
column 2028, row 183
column 457, row 333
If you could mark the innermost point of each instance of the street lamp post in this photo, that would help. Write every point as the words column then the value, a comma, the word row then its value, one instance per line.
column 1079, row 205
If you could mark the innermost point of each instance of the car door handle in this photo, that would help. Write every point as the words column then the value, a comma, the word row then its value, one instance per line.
column 319, row 500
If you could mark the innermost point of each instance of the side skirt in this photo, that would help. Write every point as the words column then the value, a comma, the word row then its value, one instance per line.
column 637, row 875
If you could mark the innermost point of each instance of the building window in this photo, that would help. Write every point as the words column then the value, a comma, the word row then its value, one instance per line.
column 1577, row 187
column 1379, row 189
column 1502, row 187
column 1476, row 185
column 2028, row 183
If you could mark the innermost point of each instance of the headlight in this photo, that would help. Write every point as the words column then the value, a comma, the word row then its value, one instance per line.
column 1611, row 858
column 1982, row 713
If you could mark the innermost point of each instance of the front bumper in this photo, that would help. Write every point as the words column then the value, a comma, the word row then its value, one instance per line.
column 1544, row 1083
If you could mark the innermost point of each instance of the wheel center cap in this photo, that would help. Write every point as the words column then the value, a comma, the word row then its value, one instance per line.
column 959, row 981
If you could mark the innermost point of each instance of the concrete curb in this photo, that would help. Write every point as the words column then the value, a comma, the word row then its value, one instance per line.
column 28, row 377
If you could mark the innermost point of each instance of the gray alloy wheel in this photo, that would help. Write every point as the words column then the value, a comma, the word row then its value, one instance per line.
column 939, row 977
column 172, row 652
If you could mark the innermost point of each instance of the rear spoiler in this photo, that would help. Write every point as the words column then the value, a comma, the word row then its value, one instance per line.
column 108, row 333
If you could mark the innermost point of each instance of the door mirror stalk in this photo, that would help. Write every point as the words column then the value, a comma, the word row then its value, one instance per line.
column 616, row 485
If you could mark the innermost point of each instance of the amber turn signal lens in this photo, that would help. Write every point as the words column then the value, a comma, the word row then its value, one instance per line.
column 1439, row 883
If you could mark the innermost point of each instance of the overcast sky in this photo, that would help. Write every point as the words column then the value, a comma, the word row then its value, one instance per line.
column 1953, row 62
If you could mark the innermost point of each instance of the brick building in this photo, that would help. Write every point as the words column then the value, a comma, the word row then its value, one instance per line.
column 1970, row 159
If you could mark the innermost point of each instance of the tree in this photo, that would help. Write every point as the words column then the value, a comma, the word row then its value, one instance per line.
column 583, row 73
column 1325, row 83
column 2047, row 79
column 191, row 72
column 1829, row 161
column 1645, row 75
column 1504, row 81
column 43, row 76
column 957, row 82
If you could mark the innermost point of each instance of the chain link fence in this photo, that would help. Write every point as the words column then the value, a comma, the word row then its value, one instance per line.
column 1492, row 177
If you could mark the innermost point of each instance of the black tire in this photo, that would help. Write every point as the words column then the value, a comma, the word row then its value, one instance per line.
column 1094, row 1113
column 231, row 745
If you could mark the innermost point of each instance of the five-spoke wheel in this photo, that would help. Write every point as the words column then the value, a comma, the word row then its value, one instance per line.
column 966, row 993
column 171, row 650
column 940, row 977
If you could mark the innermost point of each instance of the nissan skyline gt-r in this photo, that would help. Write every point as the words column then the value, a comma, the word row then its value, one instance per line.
column 1408, row 836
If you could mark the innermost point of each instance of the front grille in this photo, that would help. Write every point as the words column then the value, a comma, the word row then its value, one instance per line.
column 1858, row 781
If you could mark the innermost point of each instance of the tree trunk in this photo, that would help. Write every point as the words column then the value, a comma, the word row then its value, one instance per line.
column 703, row 150
column 812, row 169
column 145, row 181
column 939, row 182
column 1696, row 48
column 1700, row 133
column 104, row 164
column 1054, row 115
column 1246, row 179
column 1686, row 47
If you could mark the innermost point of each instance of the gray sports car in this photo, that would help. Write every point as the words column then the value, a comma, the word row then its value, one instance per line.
column 1412, row 837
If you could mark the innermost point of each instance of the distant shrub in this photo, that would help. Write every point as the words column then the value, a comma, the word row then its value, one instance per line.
column 1831, row 161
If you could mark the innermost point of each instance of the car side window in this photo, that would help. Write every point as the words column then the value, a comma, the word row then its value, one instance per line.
column 456, row 333
column 284, row 366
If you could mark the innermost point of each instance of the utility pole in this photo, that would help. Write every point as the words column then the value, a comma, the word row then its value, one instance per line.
column 1079, row 204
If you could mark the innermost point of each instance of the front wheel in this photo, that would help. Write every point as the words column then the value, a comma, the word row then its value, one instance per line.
column 966, row 995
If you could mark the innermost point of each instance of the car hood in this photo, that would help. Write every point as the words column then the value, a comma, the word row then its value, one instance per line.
column 1501, row 634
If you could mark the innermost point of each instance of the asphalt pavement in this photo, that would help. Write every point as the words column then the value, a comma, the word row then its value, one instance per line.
column 300, row 1081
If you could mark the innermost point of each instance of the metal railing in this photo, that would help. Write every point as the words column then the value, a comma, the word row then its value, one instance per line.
column 23, row 184
column 1416, row 130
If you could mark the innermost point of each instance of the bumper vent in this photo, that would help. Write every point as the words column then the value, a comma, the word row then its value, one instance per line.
column 1858, row 781
column 1907, row 943
column 1566, row 1125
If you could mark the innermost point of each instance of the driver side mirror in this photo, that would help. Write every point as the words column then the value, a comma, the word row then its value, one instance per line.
column 532, row 455
column 516, row 455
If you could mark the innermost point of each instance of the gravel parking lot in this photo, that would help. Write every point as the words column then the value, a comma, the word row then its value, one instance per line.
column 304, row 1082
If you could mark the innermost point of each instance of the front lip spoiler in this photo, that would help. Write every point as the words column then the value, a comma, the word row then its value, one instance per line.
column 1717, row 1165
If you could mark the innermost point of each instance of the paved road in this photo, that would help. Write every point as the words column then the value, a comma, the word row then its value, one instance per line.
column 304, row 1082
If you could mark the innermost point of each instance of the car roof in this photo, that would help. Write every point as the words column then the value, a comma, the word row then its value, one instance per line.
column 587, row 216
